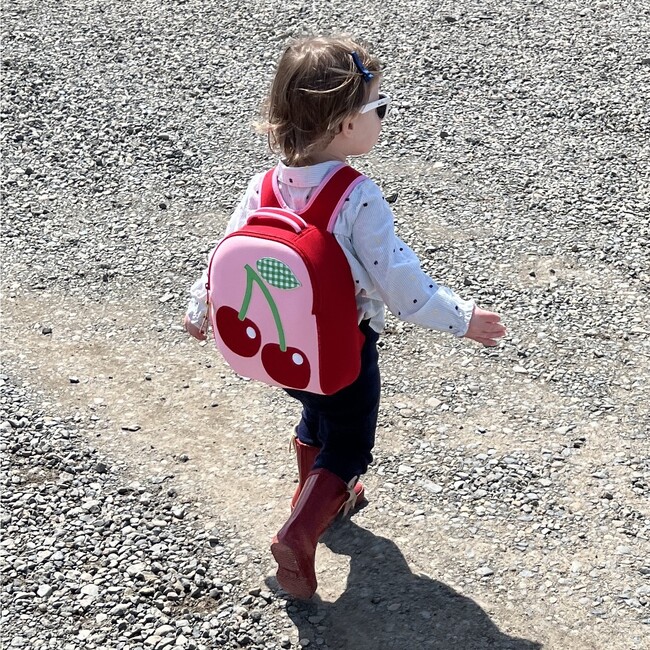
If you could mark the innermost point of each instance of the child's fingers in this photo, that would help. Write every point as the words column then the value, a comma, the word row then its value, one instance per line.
column 496, row 329
column 489, row 316
column 485, row 327
column 491, row 330
column 488, row 336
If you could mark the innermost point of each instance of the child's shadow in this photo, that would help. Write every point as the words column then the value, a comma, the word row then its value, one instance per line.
column 387, row 607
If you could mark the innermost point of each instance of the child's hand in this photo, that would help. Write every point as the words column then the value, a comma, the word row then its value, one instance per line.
column 485, row 327
column 193, row 330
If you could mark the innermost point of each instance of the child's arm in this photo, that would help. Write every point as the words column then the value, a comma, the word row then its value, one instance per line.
column 196, row 321
column 397, row 277
column 196, row 318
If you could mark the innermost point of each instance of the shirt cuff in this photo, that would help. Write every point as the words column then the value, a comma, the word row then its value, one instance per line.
column 464, row 310
column 198, row 305
column 447, row 312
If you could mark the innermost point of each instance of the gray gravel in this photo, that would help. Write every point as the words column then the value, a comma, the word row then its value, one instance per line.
column 518, row 165
column 102, row 560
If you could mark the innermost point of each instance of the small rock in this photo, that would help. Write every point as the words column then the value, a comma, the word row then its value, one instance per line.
column 178, row 512
column 135, row 569
column 119, row 610
column 433, row 488
column 90, row 590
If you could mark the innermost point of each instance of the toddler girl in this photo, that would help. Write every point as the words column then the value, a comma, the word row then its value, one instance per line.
column 325, row 106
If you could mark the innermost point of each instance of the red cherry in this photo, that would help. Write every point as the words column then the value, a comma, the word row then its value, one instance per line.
column 289, row 368
column 241, row 336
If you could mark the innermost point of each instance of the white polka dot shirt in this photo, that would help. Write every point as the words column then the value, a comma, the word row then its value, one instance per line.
column 385, row 270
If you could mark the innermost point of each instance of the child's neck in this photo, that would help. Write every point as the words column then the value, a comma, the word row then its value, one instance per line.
column 323, row 156
column 318, row 158
column 334, row 151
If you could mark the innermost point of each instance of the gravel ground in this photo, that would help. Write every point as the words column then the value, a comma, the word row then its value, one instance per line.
column 509, row 494
column 102, row 560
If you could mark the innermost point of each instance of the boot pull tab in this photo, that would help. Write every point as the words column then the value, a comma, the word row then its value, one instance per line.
column 352, row 496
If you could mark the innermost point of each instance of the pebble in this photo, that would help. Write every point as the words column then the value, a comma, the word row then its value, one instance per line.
column 90, row 590
column 433, row 488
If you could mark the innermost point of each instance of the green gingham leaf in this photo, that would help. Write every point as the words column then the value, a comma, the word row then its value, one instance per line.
column 277, row 273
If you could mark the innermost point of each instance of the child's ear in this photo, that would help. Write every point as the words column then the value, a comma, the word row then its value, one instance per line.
column 347, row 126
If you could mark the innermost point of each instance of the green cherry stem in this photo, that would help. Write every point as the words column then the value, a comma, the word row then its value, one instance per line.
column 252, row 276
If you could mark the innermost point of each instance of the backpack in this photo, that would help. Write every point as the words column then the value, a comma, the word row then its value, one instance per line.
column 281, row 296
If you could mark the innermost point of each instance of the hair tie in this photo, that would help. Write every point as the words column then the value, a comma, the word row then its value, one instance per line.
column 365, row 73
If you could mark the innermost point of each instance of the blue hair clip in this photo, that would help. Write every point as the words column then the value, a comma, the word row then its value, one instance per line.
column 367, row 75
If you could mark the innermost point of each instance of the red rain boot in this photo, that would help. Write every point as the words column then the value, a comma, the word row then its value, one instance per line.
column 323, row 495
column 306, row 456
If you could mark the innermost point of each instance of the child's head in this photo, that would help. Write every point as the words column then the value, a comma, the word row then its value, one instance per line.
column 318, row 83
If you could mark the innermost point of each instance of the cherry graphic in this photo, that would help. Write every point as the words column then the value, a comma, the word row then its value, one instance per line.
column 289, row 367
column 286, row 365
column 242, row 336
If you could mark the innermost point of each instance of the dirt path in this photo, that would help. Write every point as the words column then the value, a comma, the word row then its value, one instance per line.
column 163, row 405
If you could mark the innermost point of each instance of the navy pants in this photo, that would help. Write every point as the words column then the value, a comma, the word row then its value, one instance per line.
column 343, row 424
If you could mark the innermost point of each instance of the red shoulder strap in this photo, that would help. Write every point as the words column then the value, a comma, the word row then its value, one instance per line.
column 268, row 197
column 324, row 207
column 325, row 204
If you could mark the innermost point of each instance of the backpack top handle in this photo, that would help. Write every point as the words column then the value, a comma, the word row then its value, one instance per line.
column 271, row 216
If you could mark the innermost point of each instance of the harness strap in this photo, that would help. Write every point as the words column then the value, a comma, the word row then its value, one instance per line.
column 268, row 197
column 326, row 202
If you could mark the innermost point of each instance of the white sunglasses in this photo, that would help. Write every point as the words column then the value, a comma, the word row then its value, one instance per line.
column 380, row 105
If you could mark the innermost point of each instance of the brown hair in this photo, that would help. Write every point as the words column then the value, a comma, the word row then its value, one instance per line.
column 316, row 86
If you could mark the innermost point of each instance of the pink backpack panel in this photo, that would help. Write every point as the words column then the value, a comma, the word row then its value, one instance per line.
column 281, row 295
